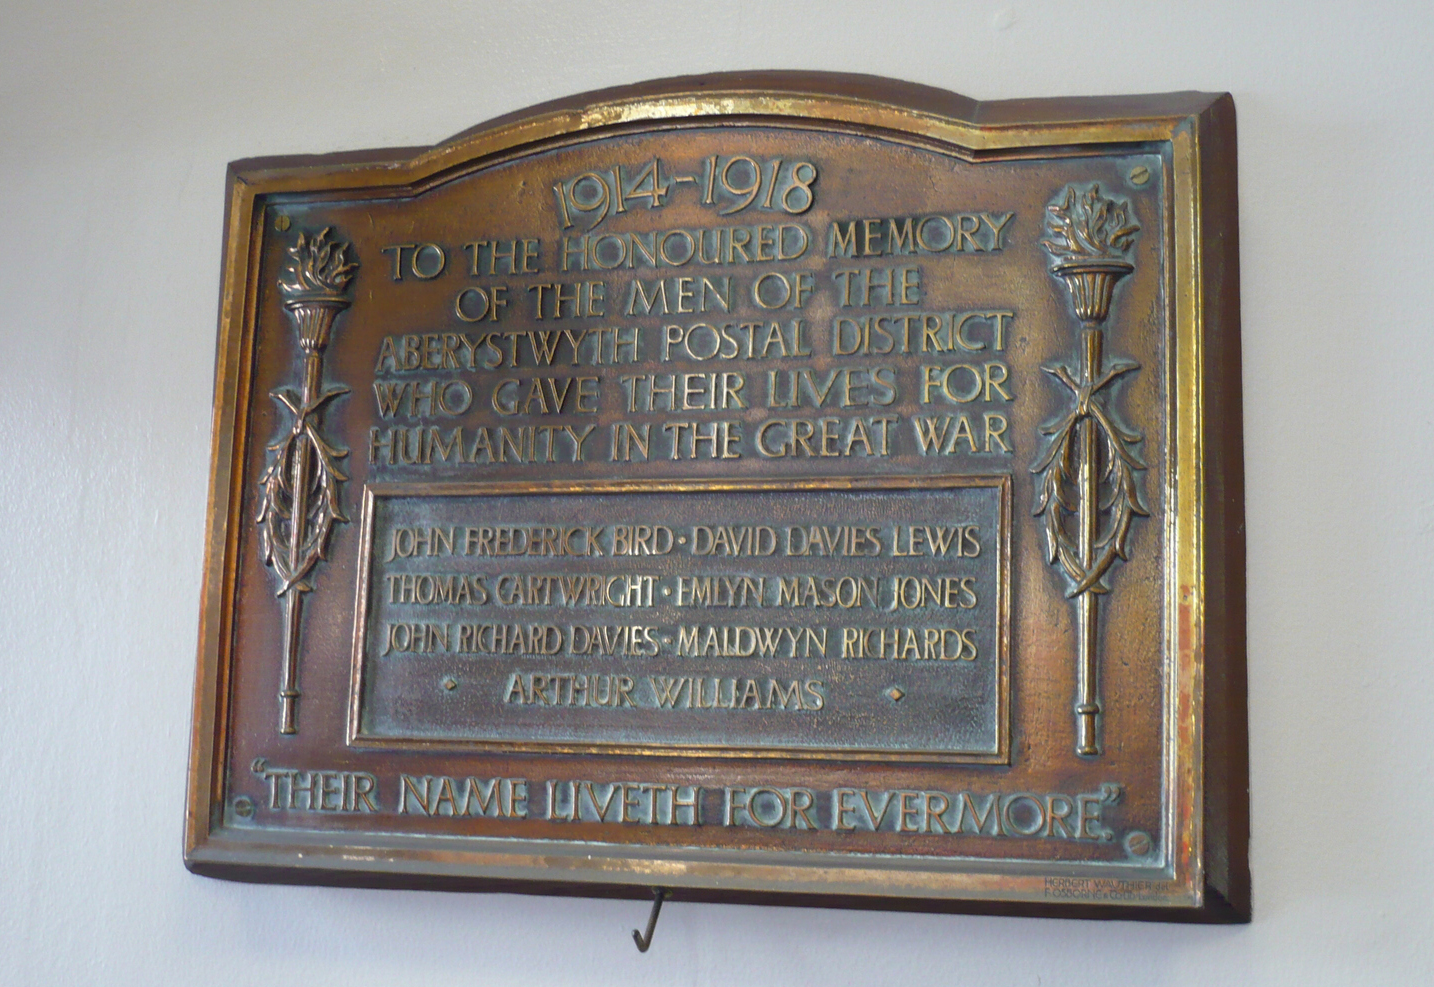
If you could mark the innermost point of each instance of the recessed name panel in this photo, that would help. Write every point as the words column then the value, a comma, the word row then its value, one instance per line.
column 716, row 621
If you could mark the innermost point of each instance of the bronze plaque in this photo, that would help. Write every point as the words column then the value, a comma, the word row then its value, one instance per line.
column 774, row 487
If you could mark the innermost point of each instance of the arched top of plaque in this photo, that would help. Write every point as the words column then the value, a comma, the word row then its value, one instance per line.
column 846, row 101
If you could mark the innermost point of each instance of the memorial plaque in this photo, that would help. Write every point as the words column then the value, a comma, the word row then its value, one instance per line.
column 763, row 487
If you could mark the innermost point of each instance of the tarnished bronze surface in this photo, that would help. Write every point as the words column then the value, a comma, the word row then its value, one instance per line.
column 763, row 487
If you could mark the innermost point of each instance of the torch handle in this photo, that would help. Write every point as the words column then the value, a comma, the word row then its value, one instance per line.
column 298, row 522
column 289, row 690
column 1087, row 707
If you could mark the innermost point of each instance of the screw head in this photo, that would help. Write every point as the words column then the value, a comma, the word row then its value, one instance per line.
column 243, row 807
column 1139, row 175
column 281, row 223
column 1138, row 843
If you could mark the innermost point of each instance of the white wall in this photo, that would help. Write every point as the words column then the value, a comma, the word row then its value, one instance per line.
column 115, row 127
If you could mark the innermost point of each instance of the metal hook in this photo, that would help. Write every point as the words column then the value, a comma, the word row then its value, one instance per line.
column 644, row 942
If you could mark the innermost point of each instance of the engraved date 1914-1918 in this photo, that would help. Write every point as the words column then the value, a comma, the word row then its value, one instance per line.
column 727, row 183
